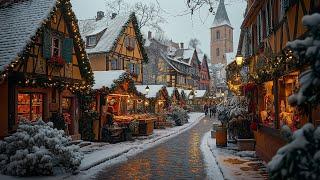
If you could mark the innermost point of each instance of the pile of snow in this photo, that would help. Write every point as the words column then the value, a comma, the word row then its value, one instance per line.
column 299, row 159
column 38, row 149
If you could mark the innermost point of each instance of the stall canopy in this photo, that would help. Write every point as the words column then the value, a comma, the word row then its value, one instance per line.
column 200, row 93
column 106, row 78
column 154, row 89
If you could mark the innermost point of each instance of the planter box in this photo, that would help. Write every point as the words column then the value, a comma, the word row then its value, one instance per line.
column 246, row 144
column 146, row 127
column 221, row 137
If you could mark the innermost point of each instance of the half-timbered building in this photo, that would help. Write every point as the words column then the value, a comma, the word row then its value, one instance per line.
column 115, row 43
column 265, row 31
column 42, row 63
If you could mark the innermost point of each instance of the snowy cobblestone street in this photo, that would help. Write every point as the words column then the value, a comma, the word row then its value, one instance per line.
column 178, row 158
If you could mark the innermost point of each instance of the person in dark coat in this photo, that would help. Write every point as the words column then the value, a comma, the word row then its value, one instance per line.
column 205, row 108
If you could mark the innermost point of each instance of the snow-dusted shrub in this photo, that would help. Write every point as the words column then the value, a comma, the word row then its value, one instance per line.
column 308, row 51
column 299, row 159
column 178, row 115
column 232, row 108
column 38, row 149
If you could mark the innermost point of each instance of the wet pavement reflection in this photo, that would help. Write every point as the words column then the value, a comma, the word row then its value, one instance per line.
column 178, row 158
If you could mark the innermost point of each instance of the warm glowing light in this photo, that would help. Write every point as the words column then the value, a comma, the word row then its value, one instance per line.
column 239, row 59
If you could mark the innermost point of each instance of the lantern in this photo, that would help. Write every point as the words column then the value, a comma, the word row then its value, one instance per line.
column 147, row 89
column 239, row 59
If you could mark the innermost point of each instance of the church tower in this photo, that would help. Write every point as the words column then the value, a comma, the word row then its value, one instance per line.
column 221, row 36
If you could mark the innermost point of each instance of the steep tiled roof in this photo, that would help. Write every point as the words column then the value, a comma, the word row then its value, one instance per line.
column 112, row 27
column 18, row 23
column 221, row 17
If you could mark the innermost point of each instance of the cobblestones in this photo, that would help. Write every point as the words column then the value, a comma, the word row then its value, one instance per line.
column 178, row 158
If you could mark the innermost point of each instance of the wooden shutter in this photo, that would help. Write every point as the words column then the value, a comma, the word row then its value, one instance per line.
column 67, row 49
column 137, row 69
column 46, row 44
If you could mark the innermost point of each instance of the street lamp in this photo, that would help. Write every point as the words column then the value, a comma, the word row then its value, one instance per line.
column 191, row 95
column 195, row 92
column 147, row 89
column 239, row 59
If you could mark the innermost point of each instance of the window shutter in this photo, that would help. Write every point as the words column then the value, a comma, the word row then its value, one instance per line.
column 46, row 46
column 137, row 69
column 67, row 49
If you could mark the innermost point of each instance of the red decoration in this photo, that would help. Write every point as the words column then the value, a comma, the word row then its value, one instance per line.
column 253, row 126
column 56, row 61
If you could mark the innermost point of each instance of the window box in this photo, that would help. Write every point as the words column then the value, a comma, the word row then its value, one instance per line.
column 56, row 61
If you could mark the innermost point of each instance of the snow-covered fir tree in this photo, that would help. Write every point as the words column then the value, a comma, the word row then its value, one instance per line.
column 38, row 149
column 300, row 158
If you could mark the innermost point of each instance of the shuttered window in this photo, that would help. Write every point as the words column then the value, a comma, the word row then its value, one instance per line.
column 46, row 44
column 67, row 49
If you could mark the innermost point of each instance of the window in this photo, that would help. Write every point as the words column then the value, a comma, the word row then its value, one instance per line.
column 218, row 52
column 56, row 46
column 114, row 64
column 130, row 43
column 218, row 35
column 92, row 40
column 266, row 104
column 30, row 106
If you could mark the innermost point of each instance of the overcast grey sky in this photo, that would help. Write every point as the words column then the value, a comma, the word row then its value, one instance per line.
column 177, row 28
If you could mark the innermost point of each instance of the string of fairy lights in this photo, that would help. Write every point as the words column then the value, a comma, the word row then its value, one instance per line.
column 37, row 80
column 276, row 66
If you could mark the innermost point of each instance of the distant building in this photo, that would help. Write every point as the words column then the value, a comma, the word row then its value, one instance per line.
column 114, row 43
column 174, row 66
column 221, row 36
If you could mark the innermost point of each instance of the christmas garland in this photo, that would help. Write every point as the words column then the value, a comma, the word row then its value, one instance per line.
column 83, row 61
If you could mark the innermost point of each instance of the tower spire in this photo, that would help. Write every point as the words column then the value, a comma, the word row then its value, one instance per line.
column 221, row 17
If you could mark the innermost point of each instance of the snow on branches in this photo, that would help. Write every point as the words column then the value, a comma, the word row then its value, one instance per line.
column 233, row 107
column 299, row 159
column 38, row 149
column 308, row 50
column 178, row 115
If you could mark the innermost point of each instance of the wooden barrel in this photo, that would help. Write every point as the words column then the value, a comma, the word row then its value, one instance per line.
column 221, row 137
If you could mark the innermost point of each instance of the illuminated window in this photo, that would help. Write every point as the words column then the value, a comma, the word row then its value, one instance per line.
column 30, row 106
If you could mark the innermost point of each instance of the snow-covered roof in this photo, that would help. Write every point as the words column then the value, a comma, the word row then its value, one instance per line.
column 154, row 89
column 221, row 18
column 230, row 57
column 111, row 27
column 170, row 90
column 18, row 23
column 200, row 93
column 106, row 78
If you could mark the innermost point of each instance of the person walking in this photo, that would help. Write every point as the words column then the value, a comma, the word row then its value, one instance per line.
column 205, row 108
column 213, row 110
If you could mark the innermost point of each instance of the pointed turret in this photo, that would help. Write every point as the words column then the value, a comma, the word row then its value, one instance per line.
column 221, row 17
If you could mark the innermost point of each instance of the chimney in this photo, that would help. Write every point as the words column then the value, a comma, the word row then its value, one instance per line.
column 100, row 15
column 181, row 45
column 113, row 15
column 149, row 34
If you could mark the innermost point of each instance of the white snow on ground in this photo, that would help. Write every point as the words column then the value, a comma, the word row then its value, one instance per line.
column 232, row 163
column 212, row 168
column 101, row 155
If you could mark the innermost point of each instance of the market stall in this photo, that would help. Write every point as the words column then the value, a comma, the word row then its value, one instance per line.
column 117, row 95
column 158, row 100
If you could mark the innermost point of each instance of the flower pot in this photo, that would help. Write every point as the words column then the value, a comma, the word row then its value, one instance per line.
column 221, row 136
column 246, row 144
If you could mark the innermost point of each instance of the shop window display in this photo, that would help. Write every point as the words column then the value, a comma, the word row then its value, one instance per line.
column 30, row 106
column 267, row 110
column 67, row 111
column 288, row 115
